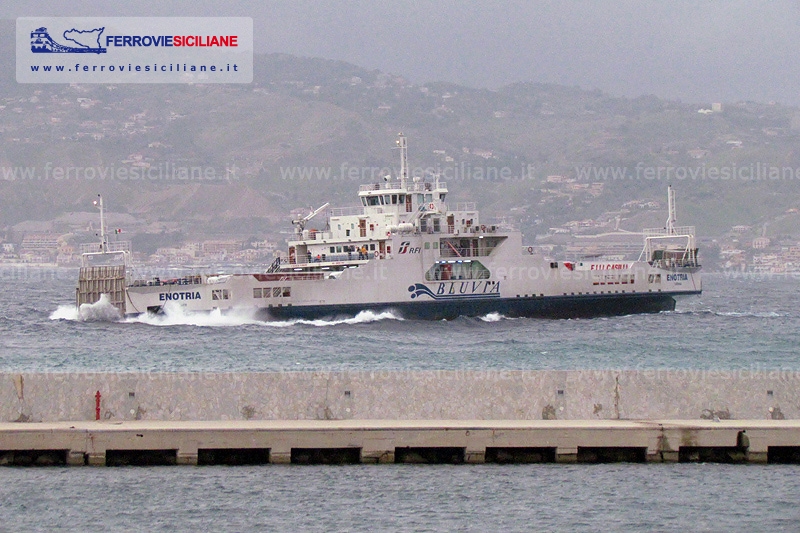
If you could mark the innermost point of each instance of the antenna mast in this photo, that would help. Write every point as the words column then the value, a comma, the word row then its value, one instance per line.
column 671, row 210
column 103, row 237
column 403, row 145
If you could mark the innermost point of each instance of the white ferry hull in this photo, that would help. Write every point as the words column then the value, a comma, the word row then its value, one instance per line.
column 529, row 288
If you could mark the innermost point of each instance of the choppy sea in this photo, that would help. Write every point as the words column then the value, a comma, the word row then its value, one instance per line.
column 739, row 322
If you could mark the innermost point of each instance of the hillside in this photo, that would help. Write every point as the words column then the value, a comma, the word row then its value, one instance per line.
column 308, row 131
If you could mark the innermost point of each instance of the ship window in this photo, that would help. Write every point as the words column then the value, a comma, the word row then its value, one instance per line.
column 372, row 247
column 402, row 198
column 428, row 198
column 363, row 202
column 347, row 233
column 338, row 249
column 276, row 291
column 339, row 226
column 437, row 225
column 373, row 200
column 287, row 291
column 220, row 294
column 387, row 199
column 423, row 225
column 452, row 271
column 257, row 293
column 441, row 197
column 388, row 249
column 427, row 246
column 333, row 249
column 394, row 199
column 435, row 245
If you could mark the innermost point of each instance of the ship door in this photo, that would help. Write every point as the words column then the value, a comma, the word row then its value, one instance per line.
column 291, row 255
column 408, row 203
column 451, row 223
column 362, row 227
column 382, row 248
column 447, row 271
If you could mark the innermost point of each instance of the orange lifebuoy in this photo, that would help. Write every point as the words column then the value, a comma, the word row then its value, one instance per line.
column 530, row 249
column 431, row 206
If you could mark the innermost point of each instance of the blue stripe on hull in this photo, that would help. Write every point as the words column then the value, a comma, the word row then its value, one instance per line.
column 549, row 307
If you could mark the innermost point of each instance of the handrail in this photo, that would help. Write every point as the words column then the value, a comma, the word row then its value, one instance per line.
column 678, row 231
column 345, row 211
column 454, row 251
column 395, row 186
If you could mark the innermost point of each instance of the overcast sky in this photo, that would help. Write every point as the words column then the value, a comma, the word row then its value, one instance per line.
column 696, row 51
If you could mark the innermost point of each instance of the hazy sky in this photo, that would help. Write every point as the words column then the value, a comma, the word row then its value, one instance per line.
column 696, row 51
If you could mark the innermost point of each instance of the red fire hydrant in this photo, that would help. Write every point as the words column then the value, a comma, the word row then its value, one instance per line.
column 97, row 406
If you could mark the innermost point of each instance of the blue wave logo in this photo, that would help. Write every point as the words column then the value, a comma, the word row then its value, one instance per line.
column 418, row 289
column 84, row 41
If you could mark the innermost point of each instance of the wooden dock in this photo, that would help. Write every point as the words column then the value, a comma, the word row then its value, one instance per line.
column 398, row 441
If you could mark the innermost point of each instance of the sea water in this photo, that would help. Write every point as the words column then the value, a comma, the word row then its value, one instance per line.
column 738, row 322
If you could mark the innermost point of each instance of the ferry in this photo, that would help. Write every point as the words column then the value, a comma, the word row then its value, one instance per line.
column 406, row 250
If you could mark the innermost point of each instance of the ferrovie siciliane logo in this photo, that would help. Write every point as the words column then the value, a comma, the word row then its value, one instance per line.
column 134, row 50
column 81, row 42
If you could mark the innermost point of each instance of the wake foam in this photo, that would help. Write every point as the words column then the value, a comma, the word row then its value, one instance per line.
column 175, row 315
column 65, row 312
column 363, row 317
column 492, row 317
column 759, row 314
column 733, row 314
column 100, row 311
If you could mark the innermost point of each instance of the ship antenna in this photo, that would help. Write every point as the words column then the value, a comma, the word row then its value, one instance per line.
column 103, row 238
column 671, row 219
column 403, row 145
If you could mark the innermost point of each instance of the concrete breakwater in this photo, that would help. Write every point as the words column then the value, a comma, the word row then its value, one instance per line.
column 402, row 395
column 394, row 441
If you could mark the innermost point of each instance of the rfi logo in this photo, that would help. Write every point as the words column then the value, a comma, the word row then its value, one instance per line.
column 405, row 248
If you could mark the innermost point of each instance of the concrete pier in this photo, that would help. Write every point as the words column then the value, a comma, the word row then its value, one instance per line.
column 389, row 416
column 403, row 395
column 389, row 441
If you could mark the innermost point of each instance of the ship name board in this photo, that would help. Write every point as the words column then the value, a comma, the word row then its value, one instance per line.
column 457, row 290
column 469, row 287
column 610, row 266
column 677, row 277
column 169, row 296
